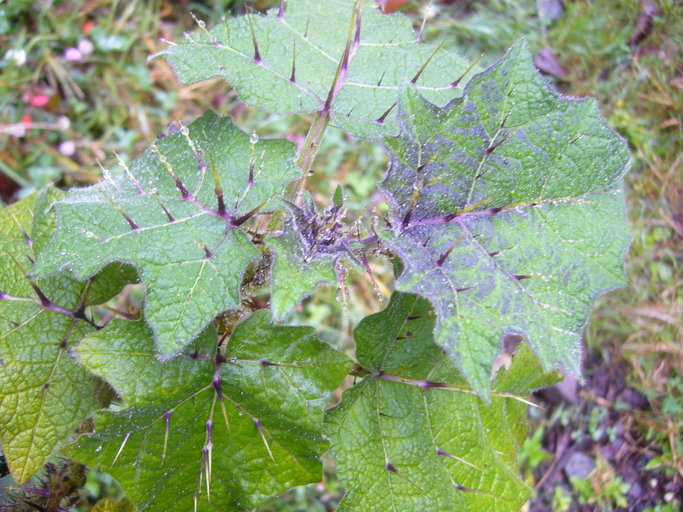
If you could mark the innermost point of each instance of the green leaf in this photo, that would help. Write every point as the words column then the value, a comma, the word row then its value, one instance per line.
column 174, row 216
column 508, row 214
column 107, row 505
column 218, row 434
column 291, row 63
column 296, row 272
column 413, row 436
column 44, row 394
column 307, row 254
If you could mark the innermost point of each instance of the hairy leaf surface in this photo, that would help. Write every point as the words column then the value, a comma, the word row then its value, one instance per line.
column 413, row 436
column 291, row 63
column 508, row 214
column 44, row 394
column 174, row 216
column 221, row 434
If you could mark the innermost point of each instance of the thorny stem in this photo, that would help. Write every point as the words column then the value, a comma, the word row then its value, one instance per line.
column 322, row 118
column 309, row 152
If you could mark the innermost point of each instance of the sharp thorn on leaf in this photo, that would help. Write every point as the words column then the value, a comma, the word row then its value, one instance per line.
column 130, row 221
column 179, row 184
column 382, row 118
column 27, row 239
column 469, row 68
column 356, row 37
column 167, row 423
column 263, row 437
column 292, row 77
column 442, row 258
column 426, row 63
column 257, row 55
column 444, row 453
column 168, row 214
column 218, row 189
column 131, row 177
column 123, row 444
column 391, row 468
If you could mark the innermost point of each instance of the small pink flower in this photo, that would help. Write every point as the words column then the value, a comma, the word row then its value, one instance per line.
column 85, row 46
column 73, row 54
column 40, row 100
column 67, row 148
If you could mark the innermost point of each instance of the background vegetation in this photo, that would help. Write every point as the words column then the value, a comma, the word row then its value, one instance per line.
column 75, row 89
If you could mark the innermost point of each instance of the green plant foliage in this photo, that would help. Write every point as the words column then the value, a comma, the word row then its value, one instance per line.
column 506, row 217
column 413, row 436
column 344, row 56
column 107, row 505
column 213, row 430
column 175, row 215
column 306, row 254
column 508, row 214
column 44, row 394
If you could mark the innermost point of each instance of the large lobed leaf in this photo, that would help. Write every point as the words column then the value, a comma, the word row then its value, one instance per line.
column 299, row 53
column 413, row 436
column 508, row 214
column 211, row 434
column 164, row 216
column 44, row 394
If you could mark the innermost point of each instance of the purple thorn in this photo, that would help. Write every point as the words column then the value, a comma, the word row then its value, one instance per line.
column 379, row 82
column 292, row 77
column 439, row 451
column 263, row 362
column 217, row 382
column 518, row 277
column 201, row 163
column 383, row 117
column 413, row 317
column 132, row 224
column 28, row 239
column 168, row 214
column 183, row 191
column 407, row 217
column 221, row 203
column 44, row 301
column 424, row 66
column 428, row 384
column 257, row 54
column 281, row 12
column 390, row 467
column 356, row 38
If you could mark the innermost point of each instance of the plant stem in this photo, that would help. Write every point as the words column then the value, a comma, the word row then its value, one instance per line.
column 309, row 152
